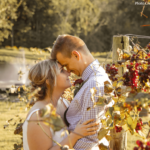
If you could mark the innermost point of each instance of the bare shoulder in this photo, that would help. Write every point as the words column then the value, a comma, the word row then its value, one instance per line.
column 38, row 133
column 34, row 107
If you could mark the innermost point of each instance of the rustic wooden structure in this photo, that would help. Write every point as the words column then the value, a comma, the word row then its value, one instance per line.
column 121, row 42
column 119, row 141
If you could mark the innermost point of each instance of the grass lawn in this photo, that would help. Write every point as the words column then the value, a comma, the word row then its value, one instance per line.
column 10, row 55
column 30, row 56
column 9, row 110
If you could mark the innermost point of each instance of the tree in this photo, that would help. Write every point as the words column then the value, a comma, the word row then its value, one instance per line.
column 40, row 22
column 8, row 9
column 77, row 17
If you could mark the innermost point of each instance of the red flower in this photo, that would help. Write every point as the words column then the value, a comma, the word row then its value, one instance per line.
column 139, row 143
column 78, row 81
column 148, row 143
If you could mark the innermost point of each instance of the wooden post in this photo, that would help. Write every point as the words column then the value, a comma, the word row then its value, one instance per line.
column 121, row 42
column 119, row 141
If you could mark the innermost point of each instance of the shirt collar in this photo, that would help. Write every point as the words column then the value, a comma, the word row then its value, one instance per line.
column 90, row 69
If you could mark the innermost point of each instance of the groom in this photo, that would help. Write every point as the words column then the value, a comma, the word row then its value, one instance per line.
column 72, row 53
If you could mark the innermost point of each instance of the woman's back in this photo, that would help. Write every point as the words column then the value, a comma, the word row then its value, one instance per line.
column 56, row 136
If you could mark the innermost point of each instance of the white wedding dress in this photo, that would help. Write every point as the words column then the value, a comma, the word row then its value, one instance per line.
column 61, row 107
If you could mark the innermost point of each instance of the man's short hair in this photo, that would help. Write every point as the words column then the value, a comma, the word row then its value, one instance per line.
column 65, row 44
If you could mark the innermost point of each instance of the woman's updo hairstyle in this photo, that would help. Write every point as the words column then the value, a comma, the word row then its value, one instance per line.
column 39, row 73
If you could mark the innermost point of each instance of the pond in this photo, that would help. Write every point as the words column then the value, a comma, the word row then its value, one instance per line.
column 9, row 74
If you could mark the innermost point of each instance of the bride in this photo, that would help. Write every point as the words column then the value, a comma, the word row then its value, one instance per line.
column 53, row 80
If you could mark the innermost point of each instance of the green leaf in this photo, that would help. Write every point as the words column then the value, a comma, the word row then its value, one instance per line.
column 111, row 126
column 109, row 121
column 119, row 84
column 109, row 112
column 103, row 147
column 101, row 101
column 50, row 118
column 131, row 124
column 102, row 133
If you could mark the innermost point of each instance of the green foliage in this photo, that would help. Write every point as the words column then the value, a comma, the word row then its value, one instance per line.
column 37, row 23
column 76, row 17
column 40, row 22
column 7, row 15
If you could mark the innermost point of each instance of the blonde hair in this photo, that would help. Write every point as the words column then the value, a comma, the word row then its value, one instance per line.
column 39, row 73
